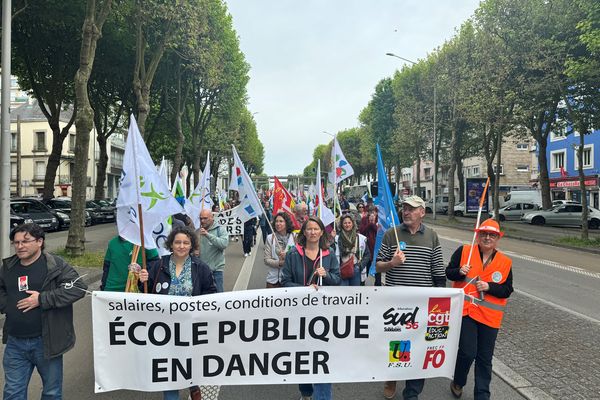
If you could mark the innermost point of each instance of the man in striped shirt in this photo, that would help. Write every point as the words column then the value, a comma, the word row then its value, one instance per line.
column 415, row 259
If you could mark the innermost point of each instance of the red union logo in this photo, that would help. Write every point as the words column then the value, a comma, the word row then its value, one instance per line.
column 435, row 357
column 438, row 318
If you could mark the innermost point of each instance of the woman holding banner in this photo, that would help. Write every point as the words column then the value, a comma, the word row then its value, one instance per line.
column 485, row 274
column 311, row 262
column 277, row 245
column 352, row 251
column 180, row 274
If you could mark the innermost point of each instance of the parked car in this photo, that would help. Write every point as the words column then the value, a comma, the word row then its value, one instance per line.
column 459, row 209
column 514, row 212
column 441, row 205
column 36, row 211
column 533, row 196
column 563, row 215
column 63, row 205
column 15, row 221
column 100, row 213
column 64, row 221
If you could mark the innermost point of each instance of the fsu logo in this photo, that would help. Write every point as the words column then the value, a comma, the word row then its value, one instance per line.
column 399, row 354
column 438, row 318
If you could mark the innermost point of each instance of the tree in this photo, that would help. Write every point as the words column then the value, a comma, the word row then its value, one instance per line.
column 95, row 16
column 46, row 41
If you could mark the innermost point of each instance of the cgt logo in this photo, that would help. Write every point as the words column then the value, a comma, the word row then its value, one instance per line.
column 438, row 318
column 434, row 356
column 399, row 354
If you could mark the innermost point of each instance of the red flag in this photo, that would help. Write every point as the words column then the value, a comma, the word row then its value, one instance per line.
column 563, row 173
column 283, row 201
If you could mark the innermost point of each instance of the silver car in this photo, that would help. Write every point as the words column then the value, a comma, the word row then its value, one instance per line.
column 563, row 215
column 514, row 212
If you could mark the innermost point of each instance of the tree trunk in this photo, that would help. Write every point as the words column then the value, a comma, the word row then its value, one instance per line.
column 84, row 122
column 584, row 202
column 451, row 171
column 418, row 188
column 496, row 198
column 102, row 166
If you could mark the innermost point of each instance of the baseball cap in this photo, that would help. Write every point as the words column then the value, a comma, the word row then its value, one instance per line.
column 490, row 225
column 414, row 201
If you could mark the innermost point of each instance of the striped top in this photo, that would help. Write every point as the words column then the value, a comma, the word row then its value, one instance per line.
column 424, row 265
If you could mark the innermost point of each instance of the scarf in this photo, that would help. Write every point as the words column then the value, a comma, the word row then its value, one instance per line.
column 347, row 242
column 282, row 240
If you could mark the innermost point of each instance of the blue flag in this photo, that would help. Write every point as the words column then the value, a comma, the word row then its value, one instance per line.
column 385, row 208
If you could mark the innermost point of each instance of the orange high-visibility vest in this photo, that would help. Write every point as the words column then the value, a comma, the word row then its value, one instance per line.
column 490, row 310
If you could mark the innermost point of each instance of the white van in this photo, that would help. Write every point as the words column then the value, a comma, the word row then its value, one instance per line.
column 533, row 196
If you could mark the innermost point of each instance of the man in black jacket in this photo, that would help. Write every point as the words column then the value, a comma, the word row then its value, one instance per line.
column 37, row 292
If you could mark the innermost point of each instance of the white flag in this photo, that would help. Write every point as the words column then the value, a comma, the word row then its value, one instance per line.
column 233, row 179
column 342, row 169
column 141, row 184
column 200, row 198
column 249, row 201
column 322, row 211
column 162, row 171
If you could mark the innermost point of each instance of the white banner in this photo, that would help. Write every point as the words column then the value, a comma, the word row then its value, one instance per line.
column 274, row 336
column 231, row 220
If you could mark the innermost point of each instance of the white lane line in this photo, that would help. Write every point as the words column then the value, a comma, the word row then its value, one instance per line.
column 548, row 263
column 243, row 278
column 562, row 308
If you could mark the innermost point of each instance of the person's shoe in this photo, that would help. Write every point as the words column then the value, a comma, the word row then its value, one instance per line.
column 389, row 389
column 456, row 390
column 245, row 254
column 195, row 393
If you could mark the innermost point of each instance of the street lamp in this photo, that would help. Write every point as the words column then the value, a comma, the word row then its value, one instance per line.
column 434, row 191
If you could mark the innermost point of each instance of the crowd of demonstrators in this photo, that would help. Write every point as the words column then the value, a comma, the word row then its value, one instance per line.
column 277, row 245
column 37, row 292
column 368, row 227
column 487, row 276
column 414, row 260
column 213, row 242
column 118, row 263
column 311, row 262
column 352, row 250
column 180, row 274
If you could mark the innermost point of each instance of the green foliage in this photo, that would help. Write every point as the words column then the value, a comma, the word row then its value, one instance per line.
column 93, row 259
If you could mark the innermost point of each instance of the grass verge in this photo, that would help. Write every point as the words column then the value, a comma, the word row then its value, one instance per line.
column 578, row 242
column 88, row 259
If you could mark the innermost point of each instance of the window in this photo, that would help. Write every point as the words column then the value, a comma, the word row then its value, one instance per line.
column 13, row 171
column 475, row 171
column 514, row 207
column 13, row 142
column 557, row 160
column 40, row 141
column 501, row 168
column 588, row 156
column 523, row 168
column 522, row 146
column 528, row 206
column 427, row 172
column 40, row 171
column 71, row 142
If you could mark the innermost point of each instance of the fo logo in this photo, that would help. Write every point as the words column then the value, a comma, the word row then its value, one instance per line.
column 435, row 357
column 399, row 351
column 438, row 318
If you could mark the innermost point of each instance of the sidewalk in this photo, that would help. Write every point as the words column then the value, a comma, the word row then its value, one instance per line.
column 519, row 231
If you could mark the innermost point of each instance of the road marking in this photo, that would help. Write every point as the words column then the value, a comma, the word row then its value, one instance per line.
column 243, row 278
column 553, row 264
column 562, row 308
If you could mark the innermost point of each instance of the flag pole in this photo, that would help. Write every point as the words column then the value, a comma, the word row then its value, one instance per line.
column 140, row 212
column 481, row 201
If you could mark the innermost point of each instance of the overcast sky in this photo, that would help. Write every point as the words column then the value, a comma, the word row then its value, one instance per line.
column 315, row 63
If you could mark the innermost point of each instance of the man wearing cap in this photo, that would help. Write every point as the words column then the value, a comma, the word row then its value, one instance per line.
column 415, row 259
column 487, row 282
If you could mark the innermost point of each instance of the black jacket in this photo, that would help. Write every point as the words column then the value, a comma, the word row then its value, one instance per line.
column 56, row 301
column 202, row 278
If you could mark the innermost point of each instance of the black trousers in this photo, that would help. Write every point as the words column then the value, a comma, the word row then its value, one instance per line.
column 477, row 342
column 248, row 241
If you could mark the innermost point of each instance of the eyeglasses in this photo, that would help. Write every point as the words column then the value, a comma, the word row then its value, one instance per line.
column 18, row 243
column 491, row 235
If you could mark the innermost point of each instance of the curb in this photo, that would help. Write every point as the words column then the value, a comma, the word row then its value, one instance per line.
column 517, row 382
column 517, row 237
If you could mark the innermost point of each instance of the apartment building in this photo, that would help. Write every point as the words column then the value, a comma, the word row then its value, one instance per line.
column 31, row 145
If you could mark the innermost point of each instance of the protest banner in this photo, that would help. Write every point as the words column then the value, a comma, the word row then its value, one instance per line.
column 153, row 342
column 230, row 220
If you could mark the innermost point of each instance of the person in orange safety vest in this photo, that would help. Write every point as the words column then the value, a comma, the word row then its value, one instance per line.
column 487, row 283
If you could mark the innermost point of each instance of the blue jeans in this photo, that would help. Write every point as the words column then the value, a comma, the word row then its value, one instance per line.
column 21, row 355
column 354, row 281
column 319, row 391
column 218, row 275
column 171, row 395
